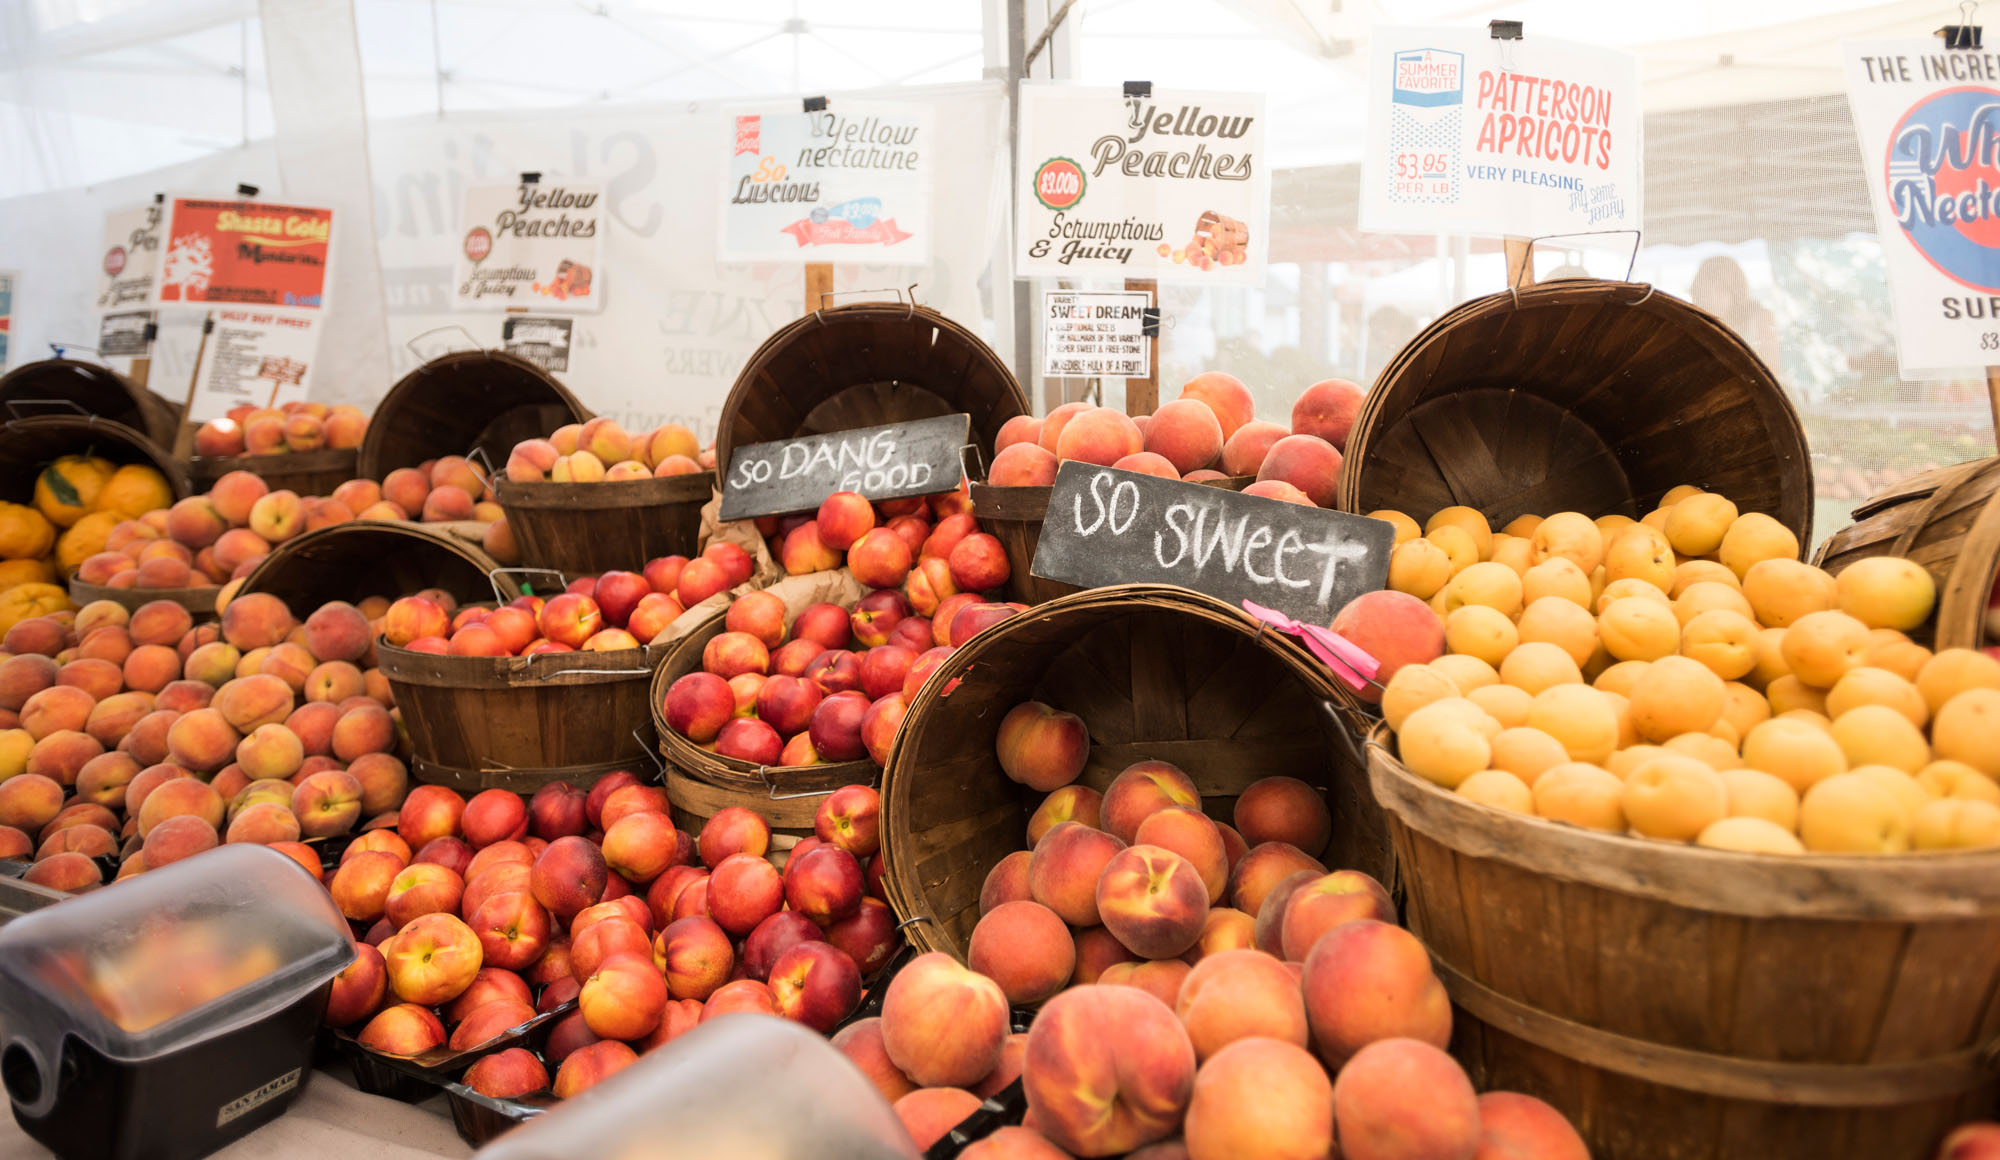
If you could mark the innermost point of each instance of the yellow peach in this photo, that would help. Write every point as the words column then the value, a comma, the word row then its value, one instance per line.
column 1493, row 585
column 1723, row 639
column 1696, row 525
column 1468, row 673
column 1673, row 797
column 1527, row 753
column 1956, row 824
column 1886, row 592
column 1822, row 646
column 1783, row 590
column 1504, row 703
column 1556, row 576
column 1642, row 555
column 1539, row 665
column 1788, row 693
column 1847, row 814
column 1480, row 631
column 1746, row 708
column 1955, row 779
column 1406, row 528
column 1457, row 545
column 1870, row 686
column 1442, row 746
column 1676, row 695
column 1965, row 730
column 1706, row 748
column 1954, row 670
column 1636, row 629
column 1499, row 789
column 1620, row 589
column 1754, row 538
column 1468, row 520
column 1707, row 595
column 1571, row 535
column 1419, row 567
column 1563, row 623
column 1413, row 687
column 1688, row 573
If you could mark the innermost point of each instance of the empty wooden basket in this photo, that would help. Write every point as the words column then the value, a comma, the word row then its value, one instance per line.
column 1156, row 672
column 518, row 723
column 1947, row 520
column 1680, row 1003
column 595, row 527
column 701, row 783
column 468, row 400
column 1578, row 395
column 865, row 365
column 363, row 558
column 30, row 388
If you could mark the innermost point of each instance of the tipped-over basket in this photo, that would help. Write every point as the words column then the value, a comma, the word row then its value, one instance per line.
column 29, row 445
column 1681, row 1003
column 518, row 723
column 363, row 558
column 1156, row 672
column 701, row 783
column 301, row 472
column 866, row 365
column 465, row 401
column 596, row 527
column 88, row 388
column 1576, row 395
column 1947, row 520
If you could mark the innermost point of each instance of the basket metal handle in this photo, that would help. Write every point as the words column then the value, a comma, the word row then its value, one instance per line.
column 14, row 406
column 907, row 297
column 412, row 344
column 1528, row 263
column 652, row 757
column 968, row 456
column 481, row 465
column 764, row 772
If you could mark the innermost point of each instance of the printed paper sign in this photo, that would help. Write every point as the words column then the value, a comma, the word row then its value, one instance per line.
column 542, row 341
column 1174, row 186
column 1106, row 526
column 850, row 184
column 1929, row 123
column 537, row 244
column 131, row 257
column 253, row 357
column 245, row 253
column 1096, row 334
column 1527, row 138
column 124, row 335
column 8, row 281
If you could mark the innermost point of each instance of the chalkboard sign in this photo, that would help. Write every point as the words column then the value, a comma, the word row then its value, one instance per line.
column 1107, row 526
column 920, row 457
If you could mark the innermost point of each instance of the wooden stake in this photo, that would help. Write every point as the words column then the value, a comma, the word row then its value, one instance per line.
column 1142, row 396
column 142, row 368
column 1993, row 397
column 184, row 442
column 819, row 284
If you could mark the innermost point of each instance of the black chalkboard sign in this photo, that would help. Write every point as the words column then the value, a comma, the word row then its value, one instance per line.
column 1107, row 526
column 920, row 457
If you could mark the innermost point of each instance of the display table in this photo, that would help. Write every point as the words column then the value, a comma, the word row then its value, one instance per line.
column 330, row 1121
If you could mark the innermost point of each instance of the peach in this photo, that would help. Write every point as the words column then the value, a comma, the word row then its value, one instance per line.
column 1108, row 1069
column 568, row 876
column 1367, row 980
column 862, row 1042
column 1395, row 628
column 327, row 803
column 57, row 709
column 1513, row 1126
column 1021, row 429
column 624, row 997
column 213, row 664
column 1308, row 463
column 1405, row 1098
column 98, row 678
column 1186, row 433
column 942, row 1024
column 1326, row 902
column 103, row 780
column 359, row 989
column 24, row 675
column 1071, row 803
column 256, row 620
column 104, row 642
column 1190, row 834
column 30, row 801
column 1261, row 870
column 1064, row 870
column 270, row 751
column 929, row 1114
column 313, row 723
column 1041, row 747
column 843, row 518
column 978, row 563
column 362, row 730
column 1102, row 435
column 445, row 504
column 1006, row 882
column 404, row 1029
column 159, row 622
column 176, row 838
column 336, row 631
column 747, row 996
column 1026, row 949
column 1284, row 809
column 1328, row 409
column 1055, row 421
column 1153, row 900
column 263, row 824
column 1260, row 1099
column 62, row 755
column 179, row 796
column 182, row 697
column 1142, row 789
column 1241, row 994
column 422, row 888
column 1022, row 465
column 817, row 984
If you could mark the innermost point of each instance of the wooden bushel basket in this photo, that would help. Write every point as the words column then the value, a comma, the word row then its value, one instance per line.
column 1576, row 395
column 93, row 390
column 301, row 472
column 866, row 365
column 1947, row 520
column 518, row 723
column 483, row 400
column 1014, row 516
column 28, row 445
column 1679, row 1003
column 700, row 783
column 200, row 602
column 1156, row 672
column 596, row 527
column 363, row 558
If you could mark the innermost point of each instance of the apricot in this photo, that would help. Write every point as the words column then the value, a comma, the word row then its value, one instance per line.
column 1954, row 670
column 1572, row 536
column 1886, row 592
column 1849, row 814
column 1582, row 795
column 1635, row 629
column 1539, row 665
column 1481, row 631
column 1413, row 687
column 1674, row 797
column 1965, row 730
column 1440, row 744
column 1821, row 647
column 1753, row 538
column 1579, row 717
column 1781, row 591
column 1419, row 567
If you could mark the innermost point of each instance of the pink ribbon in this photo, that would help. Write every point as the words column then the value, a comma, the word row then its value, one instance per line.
column 1348, row 660
column 841, row 232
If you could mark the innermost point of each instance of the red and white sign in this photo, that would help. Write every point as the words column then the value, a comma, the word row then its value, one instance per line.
column 245, row 253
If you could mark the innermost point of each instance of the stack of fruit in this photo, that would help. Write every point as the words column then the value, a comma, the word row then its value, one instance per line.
column 1187, row 971
column 291, row 427
column 144, row 737
column 78, row 502
column 1682, row 678
column 597, row 897
column 212, row 539
column 600, row 451
column 1212, row 425
column 618, row 610
column 834, row 683
column 931, row 545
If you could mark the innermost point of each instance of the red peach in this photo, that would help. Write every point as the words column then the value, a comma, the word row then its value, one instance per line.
column 1395, row 628
column 1108, row 1069
column 1513, row 1126
column 1041, row 747
column 404, row 1029
column 1023, row 464
column 1260, row 1099
column 1006, row 882
column 1064, row 869
column 1403, row 1097
column 1366, row 981
column 359, row 988
column 569, row 876
column 1193, row 836
column 861, row 1042
column 1142, row 789
column 1262, row 869
column 943, row 1024
column 1225, row 395
column 1326, row 902
column 590, row 1065
column 743, row 891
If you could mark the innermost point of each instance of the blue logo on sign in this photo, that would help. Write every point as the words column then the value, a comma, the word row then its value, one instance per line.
column 1943, row 176
column 860, row 212
column 1429, row 77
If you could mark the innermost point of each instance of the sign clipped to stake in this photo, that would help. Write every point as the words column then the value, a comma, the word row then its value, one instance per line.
column 920, row 457
column 1107, row 526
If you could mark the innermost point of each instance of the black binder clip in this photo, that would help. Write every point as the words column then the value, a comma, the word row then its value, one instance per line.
column 1149, row 322
column 244, row 189
column 815, row 104
column 531, row 178
column 1138, row 88
column 1504, row 29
